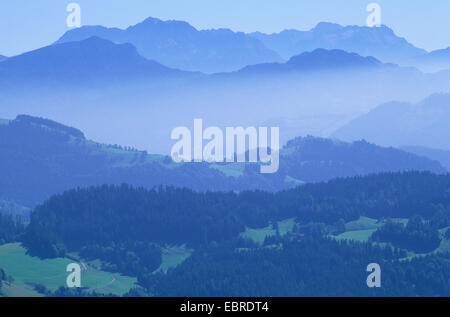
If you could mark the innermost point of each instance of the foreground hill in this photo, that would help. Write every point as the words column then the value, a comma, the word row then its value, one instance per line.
column 98, row 213
column 126, row 227
column 179, row 45
column 404, row 124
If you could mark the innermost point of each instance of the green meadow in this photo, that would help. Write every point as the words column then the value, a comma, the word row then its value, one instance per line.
column 27, row 271
column 173, row 256
column 258, row 235
column 356, row 235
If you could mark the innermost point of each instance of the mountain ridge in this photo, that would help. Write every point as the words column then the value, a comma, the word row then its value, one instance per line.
column 433, row 61
column 91, row 60
column 380, row 42
column 206, row 50
column 318, row 60
column 404, row 124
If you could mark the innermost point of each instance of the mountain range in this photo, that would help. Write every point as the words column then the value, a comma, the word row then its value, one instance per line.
column 93, row 80
column 99, row 80
column 380, row 42
column 98, row 61
column 179, row 45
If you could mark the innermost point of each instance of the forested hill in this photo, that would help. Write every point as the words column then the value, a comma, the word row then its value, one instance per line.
column 128, row 228
column 312, row 159
column 40, row 158
column 102, row 215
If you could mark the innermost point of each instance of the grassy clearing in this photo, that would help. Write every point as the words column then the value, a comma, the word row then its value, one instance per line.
column 126, row 158
column 235, row 170
column 294, row 181
column 4, row 121
column 18, row 290
column 362, row 229
column 173, row 256
column 444, row 247
column 356, row 235
column 120, row 157
column 286, row 226
column 363, row 223
column 27, row 270
column 259, row 235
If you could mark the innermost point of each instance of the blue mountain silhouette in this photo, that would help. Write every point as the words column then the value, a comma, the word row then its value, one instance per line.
column 434, row 61
column 404, row 124
column 317, row 60
column 179, row 45
column 88, row 61
column 380, row 42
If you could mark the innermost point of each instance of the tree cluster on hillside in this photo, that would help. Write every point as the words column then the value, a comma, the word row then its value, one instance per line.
column 10, row 229
column 64, row 291
column 101, row 215
column 2, row 278
column 417, row 236
column 130, row 258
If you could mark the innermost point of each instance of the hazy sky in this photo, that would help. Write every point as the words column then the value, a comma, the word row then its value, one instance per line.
column 30, row 24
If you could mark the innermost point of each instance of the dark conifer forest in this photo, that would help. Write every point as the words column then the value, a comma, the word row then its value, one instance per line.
column 125, row 227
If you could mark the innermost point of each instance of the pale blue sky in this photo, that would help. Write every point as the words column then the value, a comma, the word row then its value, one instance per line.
column 30, row 24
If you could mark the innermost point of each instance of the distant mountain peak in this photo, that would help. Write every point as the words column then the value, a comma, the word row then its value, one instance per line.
column 316, row 61
column 332, row 59
column 327, row 27
column 152, row 22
